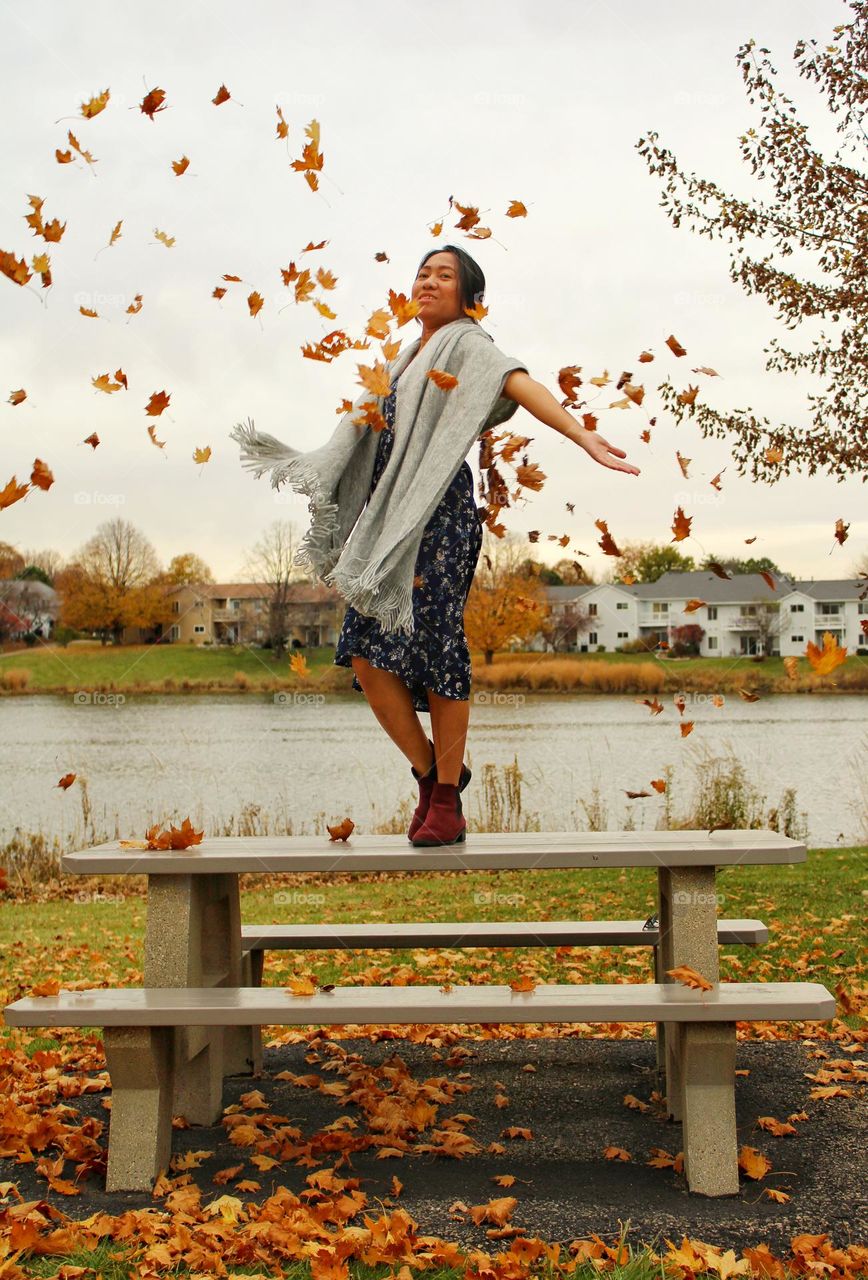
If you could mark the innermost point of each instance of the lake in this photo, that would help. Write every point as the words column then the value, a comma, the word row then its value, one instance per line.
column 303, row 759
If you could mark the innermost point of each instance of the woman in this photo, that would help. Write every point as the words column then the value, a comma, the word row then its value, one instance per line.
column 430, row 669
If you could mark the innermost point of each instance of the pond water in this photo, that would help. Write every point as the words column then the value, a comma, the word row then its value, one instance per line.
column 302, row 759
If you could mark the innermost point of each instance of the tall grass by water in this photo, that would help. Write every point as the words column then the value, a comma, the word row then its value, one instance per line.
column 722, row 796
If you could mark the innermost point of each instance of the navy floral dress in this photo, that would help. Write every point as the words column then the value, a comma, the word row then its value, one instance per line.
column 436, row 655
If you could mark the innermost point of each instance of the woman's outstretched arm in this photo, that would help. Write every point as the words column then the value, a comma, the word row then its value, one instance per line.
column 538, row 400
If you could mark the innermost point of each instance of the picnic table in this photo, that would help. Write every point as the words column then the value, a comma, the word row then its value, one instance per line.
column 198, row 1018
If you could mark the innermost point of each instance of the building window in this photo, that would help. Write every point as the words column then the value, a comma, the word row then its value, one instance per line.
column 235, row 604
column 176, row 606
column 797, row 608
column 623, row 635
column 199, row 627
column 712, row 612
column 175, row 633
column 660, row 607
column 592, row 637
column 798, row 639
column 829, row 610
column 712, row 642
column 622, row 604
column 592, row 610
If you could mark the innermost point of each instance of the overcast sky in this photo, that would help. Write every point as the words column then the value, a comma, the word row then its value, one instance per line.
column 503, row 99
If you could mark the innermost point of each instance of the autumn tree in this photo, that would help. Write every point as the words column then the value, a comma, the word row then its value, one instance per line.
column 48, row 561
column 271, row 562
column 114, row 582
column 187, row 569
column 819, row 207
column 505, row 603
column 572, row 572
column 11, row 560
column 648, row 561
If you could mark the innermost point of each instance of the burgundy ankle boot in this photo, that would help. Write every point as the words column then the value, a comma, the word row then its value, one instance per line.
column 426, row 784
column 445, row 823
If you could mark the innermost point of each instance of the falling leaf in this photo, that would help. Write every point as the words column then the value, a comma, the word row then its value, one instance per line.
column 748, row 697
column 164, row 238
column 688, row 396
column 690, row 978
column 653, row 703
column 153, row 102
column 222, row 95
column 95, row 105
column 152, row 432
column 841, row 531
column 659, row 784
column 41, row 476
column 445, row 381
column 17, row 397
column 675, row 346
column 607, row 543
column 825, row 660
column 158, row 402
column 686, row 727
column 181, row 166
column 13, row 492
column 342, row 831
column 693, row 604
column 202, row 455
column 681, row 525
column 255, row 302
column 66, row 781
column 516, row 210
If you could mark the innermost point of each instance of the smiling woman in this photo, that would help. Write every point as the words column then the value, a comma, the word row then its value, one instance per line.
column 395, row 527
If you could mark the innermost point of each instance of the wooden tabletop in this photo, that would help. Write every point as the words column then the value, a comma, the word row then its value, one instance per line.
column 481, row 851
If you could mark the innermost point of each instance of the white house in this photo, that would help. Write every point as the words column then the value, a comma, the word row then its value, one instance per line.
column 740, row 615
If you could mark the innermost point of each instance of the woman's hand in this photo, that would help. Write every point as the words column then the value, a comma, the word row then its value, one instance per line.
column 538, row 400
column 601, row 451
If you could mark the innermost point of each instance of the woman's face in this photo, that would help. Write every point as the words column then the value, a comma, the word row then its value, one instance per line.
column 438, row 290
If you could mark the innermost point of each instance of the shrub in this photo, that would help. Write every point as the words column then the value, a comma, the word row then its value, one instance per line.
column 15, row 678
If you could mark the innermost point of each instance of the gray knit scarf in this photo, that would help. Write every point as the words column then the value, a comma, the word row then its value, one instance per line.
column 433, row 432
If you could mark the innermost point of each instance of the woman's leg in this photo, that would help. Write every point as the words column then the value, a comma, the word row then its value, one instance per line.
column 392, row 704
column 449, row 720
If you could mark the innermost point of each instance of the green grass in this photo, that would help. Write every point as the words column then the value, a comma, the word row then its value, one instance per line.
column 814, row 911
column 131, row 666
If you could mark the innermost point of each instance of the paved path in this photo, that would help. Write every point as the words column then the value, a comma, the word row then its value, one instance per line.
column 573, row 1105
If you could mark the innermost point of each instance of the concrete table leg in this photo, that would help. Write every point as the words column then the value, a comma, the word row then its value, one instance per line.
column 660, row 976
column 687, row 909
column 251, row 976
column 139, row 1061
column 193, row 939
column 710, row 1138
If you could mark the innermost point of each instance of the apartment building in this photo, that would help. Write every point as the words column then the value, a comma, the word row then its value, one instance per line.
column 739, row 616
column 237, row 613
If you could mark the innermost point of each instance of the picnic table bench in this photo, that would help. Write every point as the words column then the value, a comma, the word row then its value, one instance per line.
column 169, row 1044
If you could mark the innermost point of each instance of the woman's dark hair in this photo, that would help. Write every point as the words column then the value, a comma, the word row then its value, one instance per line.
column 471, row 281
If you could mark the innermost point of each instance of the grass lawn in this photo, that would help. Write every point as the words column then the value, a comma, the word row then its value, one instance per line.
column 814, row 912
column 80, row 666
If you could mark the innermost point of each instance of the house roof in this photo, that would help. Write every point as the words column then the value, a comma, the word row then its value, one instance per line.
column 702, row 584
column 301, row 592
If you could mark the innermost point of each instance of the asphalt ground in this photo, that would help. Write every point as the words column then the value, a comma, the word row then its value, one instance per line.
column 573, row 1104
